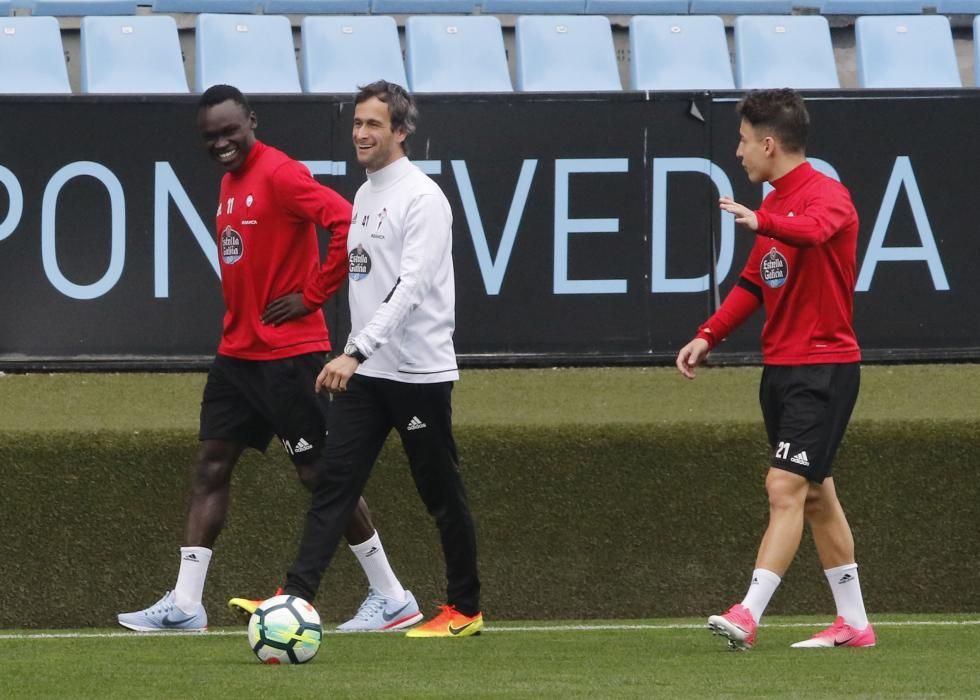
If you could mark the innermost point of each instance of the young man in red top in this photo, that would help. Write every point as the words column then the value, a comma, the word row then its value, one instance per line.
column 273, row 344
column 802, row 270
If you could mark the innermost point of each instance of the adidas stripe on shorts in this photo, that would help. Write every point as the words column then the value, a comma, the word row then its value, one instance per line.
column 806, row 409
column 250, row 401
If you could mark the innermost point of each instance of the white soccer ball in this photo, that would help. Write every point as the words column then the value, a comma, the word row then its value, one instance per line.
column 285, row 630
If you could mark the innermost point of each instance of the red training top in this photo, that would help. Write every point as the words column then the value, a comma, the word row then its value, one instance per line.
column 803, row 269
column 267, row 247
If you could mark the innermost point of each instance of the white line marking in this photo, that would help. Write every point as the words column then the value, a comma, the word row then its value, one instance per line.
column 522, row 628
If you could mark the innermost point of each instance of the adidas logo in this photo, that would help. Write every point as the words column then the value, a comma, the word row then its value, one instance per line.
column 800, row 459
column 191, row 557
column 302, row 445
column 846, row 578
column 416, row 424
column 371, row 552
column 755, row 581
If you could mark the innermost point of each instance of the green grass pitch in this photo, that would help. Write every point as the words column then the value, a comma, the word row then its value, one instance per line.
column 917, row 656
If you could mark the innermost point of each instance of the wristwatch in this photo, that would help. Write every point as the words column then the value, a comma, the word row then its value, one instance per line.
column 351, row 349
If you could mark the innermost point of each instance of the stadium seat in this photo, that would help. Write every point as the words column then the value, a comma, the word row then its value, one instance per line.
column 422, row 7
column 254, row 53
column 775, row 52
column 456, row 54
column 914, row 51
column 339, row 54
column 134, row 55
column 741, row 7
column 958, row 7
column 872, row 7
column 976, row 52
column 565, row 53
column 636, row 7
column 33, row 44
column 210, row 6
column 534, row 7
column 79, row 8
column 316, row 7
column 679, row 53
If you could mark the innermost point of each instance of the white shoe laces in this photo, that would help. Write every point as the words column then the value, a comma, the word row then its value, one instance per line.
column 165, row 604
column 370, row 607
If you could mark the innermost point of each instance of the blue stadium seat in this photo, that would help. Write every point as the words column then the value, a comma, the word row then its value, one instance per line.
column 316, row 7
column 33, row 44
column 679, row 53
column 976, row 51
column 210, row 6
column 79, row 8
column 958, row 7
column 913, row 51
column 255, row 53
column 456, row 54
column 534, row 7
column 741, row 7
column 636, row 7
column 565, row 53
column 339, row 54
column 790, row 51
column 135, row 55
column 872, row 7
column 422, row 7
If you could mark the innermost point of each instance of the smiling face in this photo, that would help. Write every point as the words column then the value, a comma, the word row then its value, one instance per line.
column 228, row 131
column 375, row 142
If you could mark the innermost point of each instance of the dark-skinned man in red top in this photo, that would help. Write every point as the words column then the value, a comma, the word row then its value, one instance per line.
column 273, row 344
column 802, row 270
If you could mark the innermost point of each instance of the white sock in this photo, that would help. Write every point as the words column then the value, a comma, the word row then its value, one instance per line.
column 846, row 587
column 194, row 563
column 764, row 584
column 380, row 576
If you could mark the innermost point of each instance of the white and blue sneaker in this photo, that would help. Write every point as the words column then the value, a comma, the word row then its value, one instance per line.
column 379, row 613
column 165, row 616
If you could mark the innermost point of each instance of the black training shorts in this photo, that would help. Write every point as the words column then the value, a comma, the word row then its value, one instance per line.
column 806, row 409
column 249, row 401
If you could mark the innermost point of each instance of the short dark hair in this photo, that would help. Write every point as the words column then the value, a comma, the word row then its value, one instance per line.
column 401, row 105
column 780, row 111
column 216, row 94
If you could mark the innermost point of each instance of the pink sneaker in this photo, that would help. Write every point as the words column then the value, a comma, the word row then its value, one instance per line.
column 737, row 625
column 839, row 634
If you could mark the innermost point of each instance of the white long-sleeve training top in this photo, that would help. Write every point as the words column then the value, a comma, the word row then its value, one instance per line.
column 402, row 290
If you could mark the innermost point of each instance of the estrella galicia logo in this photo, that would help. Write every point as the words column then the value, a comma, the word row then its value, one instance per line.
column 358, row 263
column 232, row 246
column 774, row 269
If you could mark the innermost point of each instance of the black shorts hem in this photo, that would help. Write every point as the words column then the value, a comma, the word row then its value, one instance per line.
column 253, row 443
column 800, row 470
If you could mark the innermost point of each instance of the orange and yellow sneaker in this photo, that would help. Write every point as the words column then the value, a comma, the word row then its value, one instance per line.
column 450, row 622
column 244, row 607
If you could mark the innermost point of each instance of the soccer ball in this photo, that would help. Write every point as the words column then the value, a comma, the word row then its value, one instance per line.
column 285, row 630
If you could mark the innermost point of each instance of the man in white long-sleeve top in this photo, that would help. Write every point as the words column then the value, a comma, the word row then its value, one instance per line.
column 399, row 364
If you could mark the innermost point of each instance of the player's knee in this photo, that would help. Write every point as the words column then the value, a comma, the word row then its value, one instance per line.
column 815, row 506
column 308, row 475
column 786, row 491
column 213, row 471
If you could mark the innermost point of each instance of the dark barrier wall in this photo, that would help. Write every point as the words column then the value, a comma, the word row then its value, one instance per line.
column 585, row 226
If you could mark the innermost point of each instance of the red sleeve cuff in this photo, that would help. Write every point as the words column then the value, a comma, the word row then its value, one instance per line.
column 764, row 221
column 705, row 334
